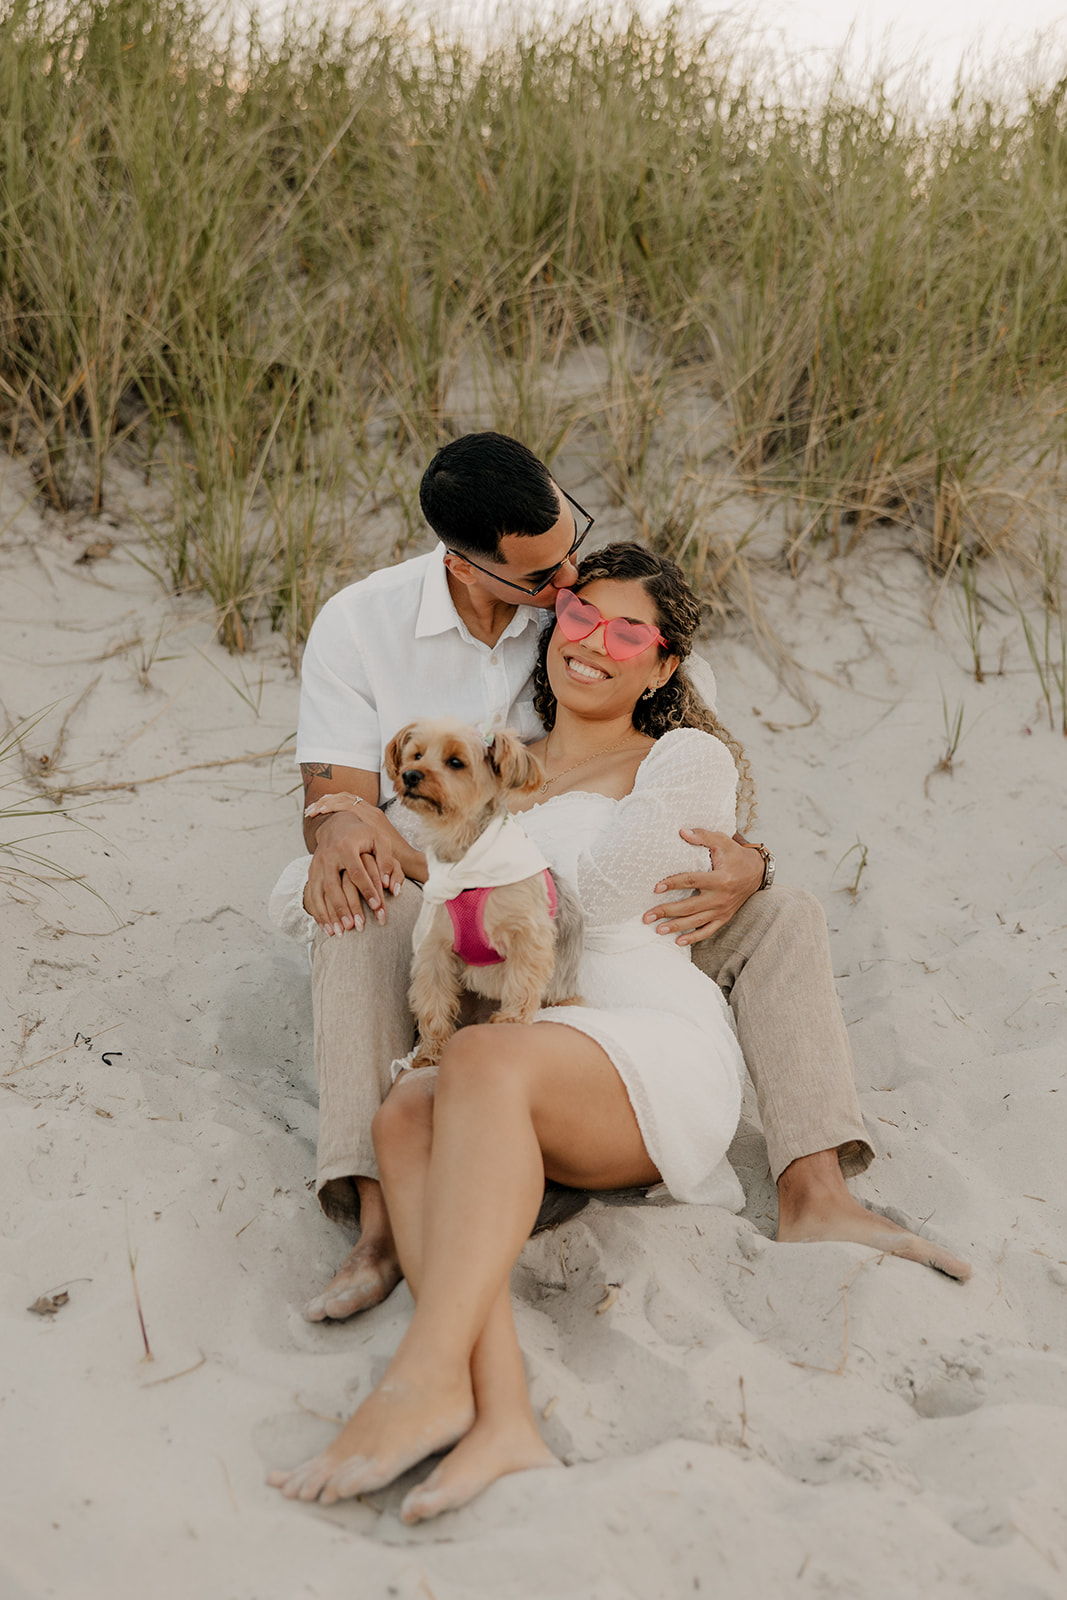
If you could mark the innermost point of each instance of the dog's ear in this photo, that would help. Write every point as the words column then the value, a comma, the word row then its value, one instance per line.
column 393, row 753
column 513, row 763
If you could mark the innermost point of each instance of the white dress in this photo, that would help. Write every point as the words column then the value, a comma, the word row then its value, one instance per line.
column 665, row 1026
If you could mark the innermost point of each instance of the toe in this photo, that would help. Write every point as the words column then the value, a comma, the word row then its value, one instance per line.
column 419, row 1505
column 950, row 1265
column 912, row 1247
column 315, row 1310
column 424, row 1500
column 307, row 1481
column 343, row 1303
column 350, row 1479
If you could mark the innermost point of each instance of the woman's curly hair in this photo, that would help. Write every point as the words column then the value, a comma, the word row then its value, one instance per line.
column 676, row 704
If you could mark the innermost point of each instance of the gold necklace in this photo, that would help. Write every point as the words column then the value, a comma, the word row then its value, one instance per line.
column 585, row 759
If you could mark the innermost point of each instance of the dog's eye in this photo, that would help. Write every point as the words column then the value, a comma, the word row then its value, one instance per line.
column 417, row 756
column 455, row 763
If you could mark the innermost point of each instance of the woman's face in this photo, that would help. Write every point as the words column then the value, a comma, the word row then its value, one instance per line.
column 584, row 677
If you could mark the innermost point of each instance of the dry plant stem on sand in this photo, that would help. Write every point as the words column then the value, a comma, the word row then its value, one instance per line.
column 859, row 851
column 953, row 734
column 16, row 861
column 131, row 1257
column 161, row 777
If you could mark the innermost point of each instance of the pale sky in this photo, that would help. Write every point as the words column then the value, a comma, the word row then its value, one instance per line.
column 1019, row 42
column 1024, row 36
column 1023, row 39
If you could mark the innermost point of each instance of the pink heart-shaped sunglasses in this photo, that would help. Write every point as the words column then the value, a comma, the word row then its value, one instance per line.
column 578, row 619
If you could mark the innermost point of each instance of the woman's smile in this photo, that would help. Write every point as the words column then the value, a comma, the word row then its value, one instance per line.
column 584, row 671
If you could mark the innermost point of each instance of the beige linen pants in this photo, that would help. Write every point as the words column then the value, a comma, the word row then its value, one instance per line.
column 772, row 962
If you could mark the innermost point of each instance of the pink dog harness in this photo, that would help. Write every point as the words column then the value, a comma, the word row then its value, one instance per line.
column 467, row 911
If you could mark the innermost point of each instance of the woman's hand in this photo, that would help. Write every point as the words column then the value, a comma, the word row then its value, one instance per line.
column 736, row 873
column 359, row 858
column 327, row 803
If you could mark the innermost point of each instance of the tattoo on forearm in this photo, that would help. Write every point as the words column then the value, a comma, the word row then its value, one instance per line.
column 310, row 770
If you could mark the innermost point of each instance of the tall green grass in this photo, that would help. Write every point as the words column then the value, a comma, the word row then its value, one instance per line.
column 251, row 253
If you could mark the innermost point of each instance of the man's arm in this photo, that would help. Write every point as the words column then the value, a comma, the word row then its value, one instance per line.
column 356, row 855
column 737, row 871
column 322, row 777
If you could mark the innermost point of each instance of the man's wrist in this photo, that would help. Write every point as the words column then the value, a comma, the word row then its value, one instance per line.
column 769, row 863
column 768, row 866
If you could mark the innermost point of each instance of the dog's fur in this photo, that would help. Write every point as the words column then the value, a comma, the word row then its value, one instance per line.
column 457, row 783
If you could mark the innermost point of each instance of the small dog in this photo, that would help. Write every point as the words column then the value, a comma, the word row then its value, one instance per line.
column 495, row 918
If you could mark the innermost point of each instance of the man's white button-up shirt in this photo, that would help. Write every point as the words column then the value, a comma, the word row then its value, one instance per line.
column 392, row 648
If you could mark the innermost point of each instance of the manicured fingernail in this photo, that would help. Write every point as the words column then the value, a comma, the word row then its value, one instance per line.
column 348, row 923
column 397, row 887
column 337, row 928
column 661, row 888
column 359, row 924
column 373, row 904
column 380, row 915
column 665, row 928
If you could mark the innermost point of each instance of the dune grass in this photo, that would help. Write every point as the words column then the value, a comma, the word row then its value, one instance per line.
column 251, row 255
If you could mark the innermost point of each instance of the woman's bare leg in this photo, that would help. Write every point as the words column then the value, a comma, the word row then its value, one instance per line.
column 504, row 1438
column 503, row 1096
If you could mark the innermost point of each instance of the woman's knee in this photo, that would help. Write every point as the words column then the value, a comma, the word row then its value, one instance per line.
column 478, row 1055
column 403, row 1120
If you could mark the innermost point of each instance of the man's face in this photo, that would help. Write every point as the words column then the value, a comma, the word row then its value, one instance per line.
column 524, row 574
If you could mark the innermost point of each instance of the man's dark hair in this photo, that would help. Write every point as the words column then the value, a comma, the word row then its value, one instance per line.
column 482, row 486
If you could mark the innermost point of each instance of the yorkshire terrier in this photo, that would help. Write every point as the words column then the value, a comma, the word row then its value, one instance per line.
column 495, row 918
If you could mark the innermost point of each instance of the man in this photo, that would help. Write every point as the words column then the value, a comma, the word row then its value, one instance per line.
column 455, row 632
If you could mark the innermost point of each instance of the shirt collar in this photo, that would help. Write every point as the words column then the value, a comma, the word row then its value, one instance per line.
column 437, row 609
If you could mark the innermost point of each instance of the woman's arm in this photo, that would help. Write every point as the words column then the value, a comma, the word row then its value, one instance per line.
column 687, row 774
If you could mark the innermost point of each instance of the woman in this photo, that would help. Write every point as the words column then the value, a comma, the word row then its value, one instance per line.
column 642, row 1083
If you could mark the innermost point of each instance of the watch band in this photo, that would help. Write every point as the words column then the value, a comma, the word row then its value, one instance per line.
column 768, row 865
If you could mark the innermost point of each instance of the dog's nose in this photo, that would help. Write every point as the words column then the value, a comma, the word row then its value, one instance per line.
column 411, row 778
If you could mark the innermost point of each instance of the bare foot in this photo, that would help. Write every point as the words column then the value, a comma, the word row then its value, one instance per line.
column 397, row 1426
column 814, row 1205
column 365, row 1277
column 488, row 1452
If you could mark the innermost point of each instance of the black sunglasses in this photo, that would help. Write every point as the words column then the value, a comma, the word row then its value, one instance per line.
column 550, row 573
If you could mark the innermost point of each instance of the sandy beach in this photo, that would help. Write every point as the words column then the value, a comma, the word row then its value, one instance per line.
column 801, row 1420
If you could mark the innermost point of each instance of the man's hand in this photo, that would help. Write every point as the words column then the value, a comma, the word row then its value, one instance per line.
column 359, row 857
column 736, row 873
